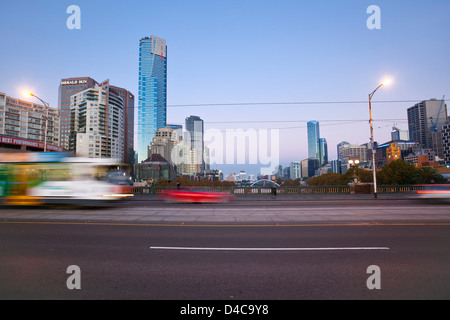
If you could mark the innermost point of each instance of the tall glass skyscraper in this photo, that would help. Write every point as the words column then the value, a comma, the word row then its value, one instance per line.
column 323, row 151
column 313, row 140
column 317, row 146
column 195, row 128
column 152, row 106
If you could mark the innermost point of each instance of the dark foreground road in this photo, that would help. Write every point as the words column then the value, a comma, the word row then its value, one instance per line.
column 120, row 261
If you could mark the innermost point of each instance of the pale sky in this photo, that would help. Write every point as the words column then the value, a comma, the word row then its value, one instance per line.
column 222, row 54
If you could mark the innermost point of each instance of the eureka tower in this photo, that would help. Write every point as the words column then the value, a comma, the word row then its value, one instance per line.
column 152, row 105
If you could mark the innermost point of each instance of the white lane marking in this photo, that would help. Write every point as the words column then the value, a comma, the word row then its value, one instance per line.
column 267, row 249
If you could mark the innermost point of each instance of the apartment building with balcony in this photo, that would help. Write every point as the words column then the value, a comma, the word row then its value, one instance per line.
column 26, row 124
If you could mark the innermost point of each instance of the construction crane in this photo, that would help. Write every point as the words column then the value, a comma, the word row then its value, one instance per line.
column 434, row 124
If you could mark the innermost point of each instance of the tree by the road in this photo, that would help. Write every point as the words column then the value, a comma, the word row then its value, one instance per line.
column 428, row 175
column 398, row 172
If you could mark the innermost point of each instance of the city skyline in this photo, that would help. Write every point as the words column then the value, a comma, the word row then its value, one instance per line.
column 230, row 74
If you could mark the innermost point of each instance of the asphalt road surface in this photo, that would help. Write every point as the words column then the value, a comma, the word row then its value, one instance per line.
column 240, row 251
column 266, row 212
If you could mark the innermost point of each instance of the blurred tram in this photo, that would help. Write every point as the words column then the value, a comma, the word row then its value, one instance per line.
column 58, row 178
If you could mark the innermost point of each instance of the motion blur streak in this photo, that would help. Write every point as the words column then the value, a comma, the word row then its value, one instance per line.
column 58, row 178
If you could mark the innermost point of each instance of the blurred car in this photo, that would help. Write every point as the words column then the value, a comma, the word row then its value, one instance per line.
column 434, row 192
column 195, row 195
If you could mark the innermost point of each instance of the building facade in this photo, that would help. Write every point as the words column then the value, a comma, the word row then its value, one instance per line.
column 386, row 152
column 195, row 140
column 446, row 142
column 317, row 146
column 128, row 118
column 353, row 151
column 309, row 167
column 164, row 142
column 323, row 151
column 424, row 118
column 422, row 157
column 287, row 173
column 155, row 168
column 296, row 170
column 313, row 139
column 25, row 123
column 339, row 150
column 152, row 92
column 97, row 123
column 71, row 86
column 393, row 153
column 399, row 135
column 67, row 88
column 336, row 165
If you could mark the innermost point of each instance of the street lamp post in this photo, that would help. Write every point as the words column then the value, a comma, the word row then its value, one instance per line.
column 354, row 163
column 46, row 116
column 386, row 82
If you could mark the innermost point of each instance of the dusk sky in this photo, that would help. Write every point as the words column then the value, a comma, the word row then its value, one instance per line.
column 225, row 55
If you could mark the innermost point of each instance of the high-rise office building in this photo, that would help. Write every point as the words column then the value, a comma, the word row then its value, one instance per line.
column 399, row 135
column 70, row 86
column 67, row 88
column 353, row 151
column 195, row 132
column 340, row 147
column 336, row 165
column 296, row 170
column 97, row 123
column 128, row 114
column 313, row 139
column 177, row 127
column 317, row 146
column 424, row 118
column 309, row 167
column 152, row 105
column 195, row 128
column 323, row 152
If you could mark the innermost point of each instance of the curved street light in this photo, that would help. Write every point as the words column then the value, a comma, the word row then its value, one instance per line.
column 28, row 93
column 374, row 169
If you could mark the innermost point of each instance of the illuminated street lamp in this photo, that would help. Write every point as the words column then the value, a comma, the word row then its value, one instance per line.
column 385, row 83
column 354, row 164
column 28, row 93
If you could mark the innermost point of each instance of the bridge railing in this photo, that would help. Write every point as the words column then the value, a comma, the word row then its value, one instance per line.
column 285, row 190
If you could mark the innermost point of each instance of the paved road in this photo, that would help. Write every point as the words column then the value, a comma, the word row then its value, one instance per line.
column 243, row 212
column 226, row 263
column 244, row 250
